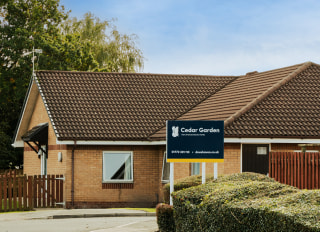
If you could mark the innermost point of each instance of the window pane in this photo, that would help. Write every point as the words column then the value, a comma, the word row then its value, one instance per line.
column 262, row 151
column 195, row 169
column 117, row 166
column 165, row 169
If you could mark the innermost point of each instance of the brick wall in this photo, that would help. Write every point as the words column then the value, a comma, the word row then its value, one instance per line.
column 30, row 159
column 89, row 189
column 146, row 191
column 147, row 187
column 232, row 159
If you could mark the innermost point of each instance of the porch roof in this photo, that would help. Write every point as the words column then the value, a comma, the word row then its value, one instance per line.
column 38, row 133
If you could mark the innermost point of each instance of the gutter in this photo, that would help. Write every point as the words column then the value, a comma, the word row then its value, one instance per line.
column 72, row 174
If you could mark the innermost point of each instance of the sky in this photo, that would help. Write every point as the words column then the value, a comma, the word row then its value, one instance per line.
column 214, row 37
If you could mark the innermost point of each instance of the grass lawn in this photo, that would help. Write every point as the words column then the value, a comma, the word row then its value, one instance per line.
column 149, row 210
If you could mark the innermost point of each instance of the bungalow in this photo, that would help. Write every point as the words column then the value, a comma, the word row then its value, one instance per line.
column 105, row 132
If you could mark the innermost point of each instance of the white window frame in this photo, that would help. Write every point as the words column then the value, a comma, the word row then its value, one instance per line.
column 164, row 162
column 103, row 166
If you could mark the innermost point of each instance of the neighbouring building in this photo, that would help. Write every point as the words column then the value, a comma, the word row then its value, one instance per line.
column 105, row 132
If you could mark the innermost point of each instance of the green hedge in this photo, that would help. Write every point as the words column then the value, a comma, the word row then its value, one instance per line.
column 184, row 183
column 246, row 202
column 165, row 218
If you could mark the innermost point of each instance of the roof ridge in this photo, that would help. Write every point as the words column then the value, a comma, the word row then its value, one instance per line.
column 266, row 93
column 142, row 74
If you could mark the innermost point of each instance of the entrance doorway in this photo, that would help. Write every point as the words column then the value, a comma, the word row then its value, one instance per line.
column 255, row 158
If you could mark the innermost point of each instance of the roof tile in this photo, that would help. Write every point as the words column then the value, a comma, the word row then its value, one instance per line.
column 117, row 106
column 291, row 111
column 237, row 97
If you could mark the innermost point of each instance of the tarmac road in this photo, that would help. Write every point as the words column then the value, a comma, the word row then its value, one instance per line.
column 100, row 220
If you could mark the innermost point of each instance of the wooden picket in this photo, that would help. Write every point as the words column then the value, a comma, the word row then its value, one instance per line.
column 296, row 168
column 19, row 193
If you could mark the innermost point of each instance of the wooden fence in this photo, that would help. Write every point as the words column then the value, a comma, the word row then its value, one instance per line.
column 11, row 172
column 297, row 169
column 18, row 193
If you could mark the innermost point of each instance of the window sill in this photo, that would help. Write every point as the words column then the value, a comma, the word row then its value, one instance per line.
column 117, row 182
column 118, row 185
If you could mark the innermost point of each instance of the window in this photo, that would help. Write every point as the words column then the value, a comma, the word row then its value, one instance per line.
column 262, row 151
column 117, row 166
column 195, row 169
column 165, row 169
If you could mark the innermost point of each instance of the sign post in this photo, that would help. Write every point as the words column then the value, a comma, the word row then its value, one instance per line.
column 203, row 173
column 195, row 141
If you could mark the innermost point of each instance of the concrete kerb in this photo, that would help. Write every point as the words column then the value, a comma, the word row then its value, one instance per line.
column 140, row 214
column 91, row 213
column 74, row 213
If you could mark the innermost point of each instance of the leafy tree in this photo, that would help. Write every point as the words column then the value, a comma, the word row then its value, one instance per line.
column 113, row 51
column 83, row 45
column 24, row 24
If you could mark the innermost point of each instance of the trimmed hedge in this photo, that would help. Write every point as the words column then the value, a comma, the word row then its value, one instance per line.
column 246, row 202
column 184, row 183
column 165, row 218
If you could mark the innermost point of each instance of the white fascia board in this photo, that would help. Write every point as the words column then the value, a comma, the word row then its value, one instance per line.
column 163, row 142
column 82, row 142
column 20, row 143
column 270, row 140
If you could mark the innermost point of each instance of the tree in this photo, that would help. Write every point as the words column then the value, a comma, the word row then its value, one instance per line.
column 114, row 52
column 67, row 45
column 24, row 24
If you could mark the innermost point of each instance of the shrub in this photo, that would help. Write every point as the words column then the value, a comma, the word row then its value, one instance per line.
column 184, row 183
column 165, row 218
column 246, row 202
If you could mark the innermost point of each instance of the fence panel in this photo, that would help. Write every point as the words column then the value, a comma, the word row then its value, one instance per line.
column 298, row 169
column 20, row 192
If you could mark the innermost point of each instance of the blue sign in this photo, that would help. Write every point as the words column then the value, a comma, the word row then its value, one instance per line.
column 195, row 141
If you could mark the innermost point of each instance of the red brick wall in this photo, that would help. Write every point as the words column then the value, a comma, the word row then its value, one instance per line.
column 89, row 188
column 232, row 159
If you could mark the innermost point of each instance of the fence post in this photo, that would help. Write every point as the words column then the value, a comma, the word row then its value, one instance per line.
column 32, row 191
column 48, row 190
column 10, row 191
column 313, row 171
column 61, row 188
column 317, row 170
column 5, row 196
column 25, row 192
column 309, row 171
column 14, row 192
column 57, row 189
column 53, row 190
column 298, row 167
column 1, row 195
column 43, row 190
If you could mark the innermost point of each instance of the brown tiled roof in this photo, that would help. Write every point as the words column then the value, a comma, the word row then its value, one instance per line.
column 239, row 96
column 120, row 106
column 293, row 110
